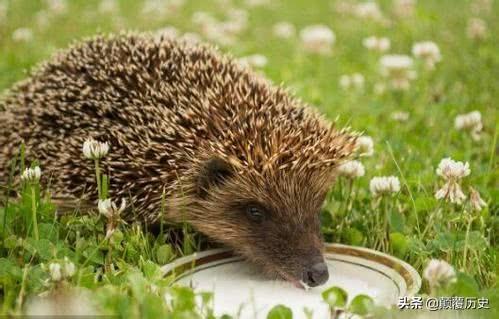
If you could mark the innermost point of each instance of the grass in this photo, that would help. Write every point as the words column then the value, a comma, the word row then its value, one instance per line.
column 122, row 272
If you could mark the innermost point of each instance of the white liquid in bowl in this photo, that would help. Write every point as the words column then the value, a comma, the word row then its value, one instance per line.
column 238, row 286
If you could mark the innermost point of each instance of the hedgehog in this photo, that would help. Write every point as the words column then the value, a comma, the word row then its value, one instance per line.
column 241, row 160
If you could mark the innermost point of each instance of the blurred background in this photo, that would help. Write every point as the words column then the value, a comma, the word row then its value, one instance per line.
column 317, row 48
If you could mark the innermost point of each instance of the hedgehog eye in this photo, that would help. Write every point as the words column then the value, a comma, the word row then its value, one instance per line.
column 255, row 213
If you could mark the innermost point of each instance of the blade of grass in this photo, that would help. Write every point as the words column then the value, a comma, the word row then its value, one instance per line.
column 406, row 184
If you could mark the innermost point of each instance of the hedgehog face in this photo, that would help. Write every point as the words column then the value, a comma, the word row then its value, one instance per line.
column 272, row 220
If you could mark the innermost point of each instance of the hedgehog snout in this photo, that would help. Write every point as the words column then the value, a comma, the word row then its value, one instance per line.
column 316, row 274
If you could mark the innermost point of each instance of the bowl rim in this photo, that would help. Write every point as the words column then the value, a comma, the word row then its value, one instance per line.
column 186, row 265
column 402, row 268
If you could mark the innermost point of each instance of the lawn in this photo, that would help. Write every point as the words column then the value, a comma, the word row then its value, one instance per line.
column 433, row 103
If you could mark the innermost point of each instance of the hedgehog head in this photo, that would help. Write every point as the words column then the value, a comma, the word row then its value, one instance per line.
column 267, row 206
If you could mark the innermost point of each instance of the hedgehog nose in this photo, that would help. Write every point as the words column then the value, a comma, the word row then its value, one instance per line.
column 316, row 275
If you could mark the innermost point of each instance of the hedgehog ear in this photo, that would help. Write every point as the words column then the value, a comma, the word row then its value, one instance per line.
column 213, row 172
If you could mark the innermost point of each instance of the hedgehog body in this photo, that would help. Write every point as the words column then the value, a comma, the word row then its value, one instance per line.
column 243, row 161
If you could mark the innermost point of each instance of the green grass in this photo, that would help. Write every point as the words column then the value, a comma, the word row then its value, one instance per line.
column 123, row 272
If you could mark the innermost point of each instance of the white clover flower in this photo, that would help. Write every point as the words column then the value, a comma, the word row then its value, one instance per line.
column 253, row 61
column 105, row 206
column 284, row 30
column 222, row 32
column 355, row 80
column 404, row 8
column 398, row 69
column 427, row 51
column 42, row 18
column 219, row 33
column 468, row 121
column 161, row 7
column 95, row 150
column 69, row 268
column 317, row 39
column 55, row 271
column 191, row 38
column 400, row 116
column 364, row 146
column 351, row 169
column 449, row 169
column 396, row 62
column 238, row 18
column 57, row 6
column 257, row 3
column 358, row 80
column 439, row 272
column 32, row 175
column 452, row 192
column 373, row 43
column 202, row 18
column 61, row 271
column 232, row 27
column 108, row 6
column 384, row 185
column 344, row 6
column 477, row 203
column 22, row 35
column 452, row 172
column 109, row 209
column 471, row 122
column 167, row 33
column 368, row 10
column 112, row 212
column 477, row 29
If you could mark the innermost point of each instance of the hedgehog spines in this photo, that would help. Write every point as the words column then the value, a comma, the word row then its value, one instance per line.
column 165, row 106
